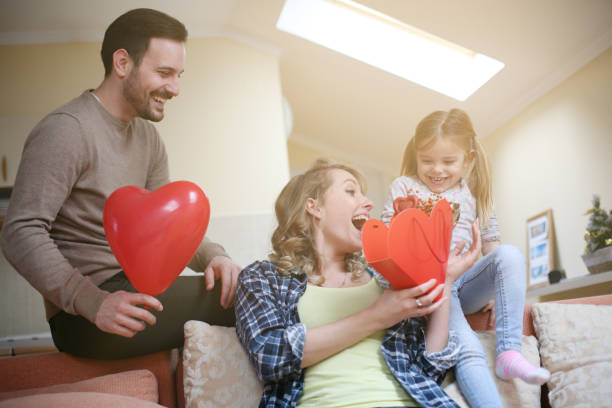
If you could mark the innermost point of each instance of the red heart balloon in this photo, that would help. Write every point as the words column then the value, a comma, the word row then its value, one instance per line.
column 154, row 234
column 413, row 249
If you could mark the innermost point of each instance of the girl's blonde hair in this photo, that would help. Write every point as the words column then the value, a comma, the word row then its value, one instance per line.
column 292, row 243
column 457, row 126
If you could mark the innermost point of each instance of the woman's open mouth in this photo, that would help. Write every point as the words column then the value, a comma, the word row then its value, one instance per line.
column 359, row 221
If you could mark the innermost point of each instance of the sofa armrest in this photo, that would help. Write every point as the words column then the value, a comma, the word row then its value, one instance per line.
column 479, row 321
column 32, row 371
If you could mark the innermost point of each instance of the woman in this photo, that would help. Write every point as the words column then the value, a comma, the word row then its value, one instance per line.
column 324, row 329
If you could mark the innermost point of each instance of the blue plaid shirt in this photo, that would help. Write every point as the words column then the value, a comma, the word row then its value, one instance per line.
column 269, row 328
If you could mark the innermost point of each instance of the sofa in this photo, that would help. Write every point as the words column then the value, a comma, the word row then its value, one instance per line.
column 213, row 370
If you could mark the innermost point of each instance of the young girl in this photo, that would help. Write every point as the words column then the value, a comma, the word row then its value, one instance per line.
column 445, row 160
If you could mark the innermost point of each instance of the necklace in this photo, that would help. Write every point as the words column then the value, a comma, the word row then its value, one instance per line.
column 344, row 280
column 343, row 283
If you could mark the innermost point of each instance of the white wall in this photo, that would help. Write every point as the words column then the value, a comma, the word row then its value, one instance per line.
column 226, row 121
column 556, row 154
column 225, row 131
column 303, row 154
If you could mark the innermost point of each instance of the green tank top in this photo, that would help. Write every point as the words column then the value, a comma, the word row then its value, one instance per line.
column 359, row 375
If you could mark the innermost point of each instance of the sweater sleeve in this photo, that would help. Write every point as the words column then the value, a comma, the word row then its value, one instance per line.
column 491, row 232
column 205, row 253
column 158, row 173
column 398, row 188
column 437, row 363
column 52, row 161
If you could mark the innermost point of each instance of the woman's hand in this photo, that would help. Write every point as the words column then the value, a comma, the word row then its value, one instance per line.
column 394, row 306
column 458, row 264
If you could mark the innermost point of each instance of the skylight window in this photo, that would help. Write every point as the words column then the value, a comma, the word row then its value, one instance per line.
column 388, row 44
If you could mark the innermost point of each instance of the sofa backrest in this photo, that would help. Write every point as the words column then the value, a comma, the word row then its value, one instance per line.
column 479, row 320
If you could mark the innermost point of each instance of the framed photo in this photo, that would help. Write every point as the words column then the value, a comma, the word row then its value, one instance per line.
column 540, row 249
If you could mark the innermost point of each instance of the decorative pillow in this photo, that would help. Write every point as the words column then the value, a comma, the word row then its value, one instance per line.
column 140, row 384
column 513, row 393
column 576, row 349
column 77, row 400
column 216, row 369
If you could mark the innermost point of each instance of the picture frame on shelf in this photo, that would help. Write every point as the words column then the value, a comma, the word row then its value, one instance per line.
column 540, row 249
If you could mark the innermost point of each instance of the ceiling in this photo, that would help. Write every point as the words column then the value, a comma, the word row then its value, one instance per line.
column 348, row 108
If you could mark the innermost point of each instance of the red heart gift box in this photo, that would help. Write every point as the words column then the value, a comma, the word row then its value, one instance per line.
column 413, row 249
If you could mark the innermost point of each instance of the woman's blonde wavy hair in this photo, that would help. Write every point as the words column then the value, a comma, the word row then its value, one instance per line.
column 292, row 243
column 457, row 126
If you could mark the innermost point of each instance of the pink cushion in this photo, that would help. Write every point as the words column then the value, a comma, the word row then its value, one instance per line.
column 140, row 384
column 77, row 400
column 43, row 370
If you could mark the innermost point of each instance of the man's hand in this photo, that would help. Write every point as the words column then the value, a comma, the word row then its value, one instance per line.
column 119, row 313
column 221, row 267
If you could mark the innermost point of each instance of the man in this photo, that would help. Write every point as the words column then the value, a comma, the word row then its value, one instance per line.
column 72, row 161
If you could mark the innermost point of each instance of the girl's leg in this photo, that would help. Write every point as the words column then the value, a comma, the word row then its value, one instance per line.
column 502, row 272
column 508, row 266
column 473, row 376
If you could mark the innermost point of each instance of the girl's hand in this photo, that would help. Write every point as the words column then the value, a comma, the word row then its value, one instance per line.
column 457, row 264
column 394, row 306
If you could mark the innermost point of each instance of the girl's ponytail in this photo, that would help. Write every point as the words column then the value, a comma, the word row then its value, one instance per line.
column 409, row 167
column 479, row 181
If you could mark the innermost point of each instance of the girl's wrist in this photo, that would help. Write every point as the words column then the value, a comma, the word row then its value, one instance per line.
column 448, row 287
column 450, row 280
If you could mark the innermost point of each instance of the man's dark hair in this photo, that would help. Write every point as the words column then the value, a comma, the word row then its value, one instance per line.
column 133, row 31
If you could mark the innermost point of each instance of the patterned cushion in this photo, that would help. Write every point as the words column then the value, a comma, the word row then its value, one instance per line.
column 216, row 369
column 514, row 393
column 576, row 349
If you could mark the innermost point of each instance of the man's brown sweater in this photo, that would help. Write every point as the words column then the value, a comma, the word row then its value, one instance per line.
column 72, row 161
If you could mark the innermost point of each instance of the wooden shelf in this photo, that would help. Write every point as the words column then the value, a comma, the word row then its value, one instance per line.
column 572, row 283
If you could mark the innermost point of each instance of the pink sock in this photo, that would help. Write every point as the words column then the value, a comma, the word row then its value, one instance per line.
column 511, row 364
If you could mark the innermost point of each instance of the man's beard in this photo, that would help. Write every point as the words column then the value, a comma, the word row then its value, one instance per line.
column 133, row 94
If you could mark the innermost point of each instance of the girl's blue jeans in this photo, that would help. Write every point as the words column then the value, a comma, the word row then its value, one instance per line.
column 500, row 273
